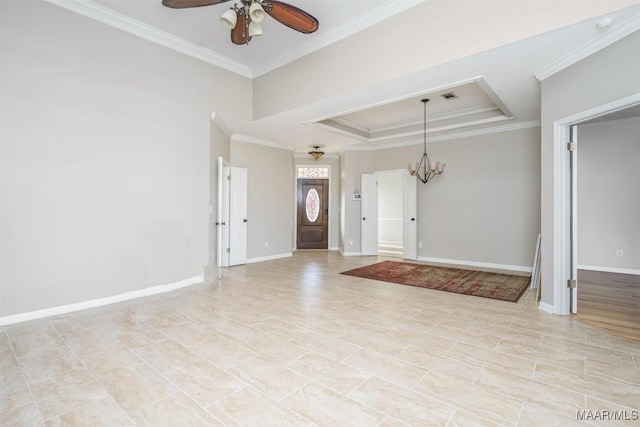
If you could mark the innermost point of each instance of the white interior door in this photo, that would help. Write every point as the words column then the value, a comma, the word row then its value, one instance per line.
column 223, row 214
column 369, row 215
column 410, row 217
column 238, row 216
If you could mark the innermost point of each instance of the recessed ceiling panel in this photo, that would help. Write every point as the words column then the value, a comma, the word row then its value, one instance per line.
column 468, row 103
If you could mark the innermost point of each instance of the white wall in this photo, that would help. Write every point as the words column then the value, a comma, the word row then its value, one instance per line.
column 393, row 47
column 604, row 77
column 104, row 158
column 269, row 198
column 609, row 194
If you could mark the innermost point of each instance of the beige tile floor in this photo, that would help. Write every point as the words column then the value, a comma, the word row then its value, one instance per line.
column 293, row 342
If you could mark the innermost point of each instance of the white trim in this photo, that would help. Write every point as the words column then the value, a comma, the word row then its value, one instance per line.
column 306, row 155
column 561, row 208
column 633, row 271
column 258, row 141
column 436, row 129
column 334, row 248
column 269, row 257
column 434, row 118
column 367, row 19
column 38, row 314
column 561, row 216
column 615, row 34
column 545, row 307
column 338, row 131
column 456, row 135
column 215, row 117
column 343, row 253
column 487, row 265
column 295, row 197
column 422, row 93
column 145, row 31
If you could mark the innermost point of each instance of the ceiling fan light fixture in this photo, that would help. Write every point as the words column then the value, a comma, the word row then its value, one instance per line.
column 257, row 13
column 229, row 19
column 254, row 29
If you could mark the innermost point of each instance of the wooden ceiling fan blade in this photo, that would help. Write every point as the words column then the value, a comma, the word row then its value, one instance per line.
column 240, row 33
column 183, row 4
column 291, row 16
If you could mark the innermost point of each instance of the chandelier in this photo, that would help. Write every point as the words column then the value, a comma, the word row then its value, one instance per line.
column 425, row 170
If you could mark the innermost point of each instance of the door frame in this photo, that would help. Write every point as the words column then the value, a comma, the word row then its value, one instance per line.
column 295, row 202
column 562, row 197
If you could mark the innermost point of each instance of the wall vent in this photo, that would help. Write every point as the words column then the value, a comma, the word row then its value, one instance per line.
column 449, row 95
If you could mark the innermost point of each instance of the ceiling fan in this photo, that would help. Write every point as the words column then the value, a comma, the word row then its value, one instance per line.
column 244, row 21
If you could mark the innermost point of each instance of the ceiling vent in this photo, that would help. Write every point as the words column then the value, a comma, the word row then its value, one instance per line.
column 449, row 96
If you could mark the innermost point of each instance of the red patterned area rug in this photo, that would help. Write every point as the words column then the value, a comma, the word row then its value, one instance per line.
column 503, row 287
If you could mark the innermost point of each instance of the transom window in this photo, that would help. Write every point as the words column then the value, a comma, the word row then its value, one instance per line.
column 313, row 172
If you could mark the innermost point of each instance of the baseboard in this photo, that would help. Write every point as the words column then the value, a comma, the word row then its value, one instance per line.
column 269, row 258
column 501, row 268
column 545, row 307
column 343, row 253
column 609, row 269
column 53, row 311
column 335, row 248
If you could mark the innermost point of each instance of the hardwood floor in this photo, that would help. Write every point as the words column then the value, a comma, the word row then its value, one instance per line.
column 611, row 302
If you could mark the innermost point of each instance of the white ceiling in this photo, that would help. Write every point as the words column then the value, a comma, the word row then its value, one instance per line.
column 497, row 89
column 201, row 26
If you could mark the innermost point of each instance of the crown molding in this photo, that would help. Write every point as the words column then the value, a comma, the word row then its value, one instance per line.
column 122, row 22
column 455, row 135
column 324, row 156
column 117, row 20
column 215, row 117
column 627, row 27
column 388, row 9
column 258, row 141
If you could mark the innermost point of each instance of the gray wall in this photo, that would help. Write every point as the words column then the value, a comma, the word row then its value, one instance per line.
column 105, row 158
column 604, row 77
column 334, row 192
column 609, row 194
column 352, row 165
column 485, row 207
column 270, row 197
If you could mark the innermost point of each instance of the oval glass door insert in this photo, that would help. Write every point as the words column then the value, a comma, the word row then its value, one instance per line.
column 312, row 205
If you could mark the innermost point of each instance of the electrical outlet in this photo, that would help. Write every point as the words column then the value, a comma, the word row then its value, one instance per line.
column 419, row 245
column 619, row 253
column 266, row 244
column 350, row 242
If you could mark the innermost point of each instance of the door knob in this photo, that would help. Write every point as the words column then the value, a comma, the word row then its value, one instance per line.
column 244, row 220
column 413, row 219
column 364, row 219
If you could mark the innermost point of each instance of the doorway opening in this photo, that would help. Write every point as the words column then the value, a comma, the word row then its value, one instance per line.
column 400, row 220
column 565, row 259
column 390, row 213
column 607, row 208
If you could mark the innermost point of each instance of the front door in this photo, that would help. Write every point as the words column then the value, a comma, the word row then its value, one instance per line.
column 313, row 214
